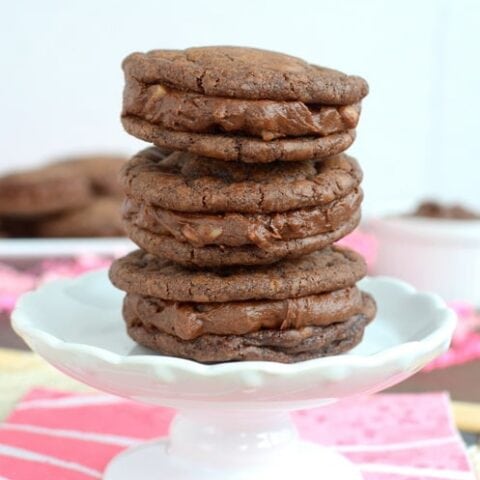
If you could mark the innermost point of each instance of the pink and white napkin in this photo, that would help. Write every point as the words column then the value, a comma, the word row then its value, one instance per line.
column 64, row 436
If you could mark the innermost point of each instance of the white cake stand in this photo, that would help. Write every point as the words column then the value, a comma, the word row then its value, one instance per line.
column 233, row 422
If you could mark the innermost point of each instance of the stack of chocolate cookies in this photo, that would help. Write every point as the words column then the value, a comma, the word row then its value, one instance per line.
column 238, row 204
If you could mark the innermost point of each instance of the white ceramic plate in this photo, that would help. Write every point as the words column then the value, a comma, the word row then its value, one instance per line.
column 58, row 247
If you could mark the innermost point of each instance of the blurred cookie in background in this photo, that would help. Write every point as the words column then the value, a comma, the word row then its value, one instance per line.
column 42, row 191
column 434, row 209
column 101, row 218
column 100, row 170
column 77, row 197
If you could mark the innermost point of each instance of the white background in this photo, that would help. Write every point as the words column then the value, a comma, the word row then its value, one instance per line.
column 61, row 80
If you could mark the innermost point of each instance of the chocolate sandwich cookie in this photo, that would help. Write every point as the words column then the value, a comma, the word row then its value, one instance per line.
column 206, row 213
column 290, row 311
column 235, row 103
column 210, row 256
column 188, row 183
column 100, row 170
column 329, row 269
column 42, row 191
column 289, row 345
column 101, row 218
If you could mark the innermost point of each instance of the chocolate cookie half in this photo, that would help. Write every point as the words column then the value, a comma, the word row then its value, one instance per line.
column 188, row 183
column 289, row 345
column 242, row 72
column 329, row 269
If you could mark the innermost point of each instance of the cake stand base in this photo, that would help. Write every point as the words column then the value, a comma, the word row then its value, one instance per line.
column 231, row 445
column 233, row 422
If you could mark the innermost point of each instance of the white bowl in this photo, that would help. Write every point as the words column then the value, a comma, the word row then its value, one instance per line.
column 438, row 255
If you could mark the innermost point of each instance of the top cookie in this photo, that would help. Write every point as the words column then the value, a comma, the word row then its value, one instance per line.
column 240, row 72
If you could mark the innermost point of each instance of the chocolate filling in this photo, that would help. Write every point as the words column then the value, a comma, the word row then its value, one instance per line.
column 268, row 119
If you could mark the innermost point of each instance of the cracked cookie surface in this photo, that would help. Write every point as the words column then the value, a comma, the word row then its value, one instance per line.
column 242, row 72
column 188, row 183
column 328, row 269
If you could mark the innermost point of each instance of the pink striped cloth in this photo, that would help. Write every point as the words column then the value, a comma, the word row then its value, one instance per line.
column 64, row 436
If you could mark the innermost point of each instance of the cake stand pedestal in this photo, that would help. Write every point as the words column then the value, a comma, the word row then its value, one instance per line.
column 234, row 446
column 233, row 421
